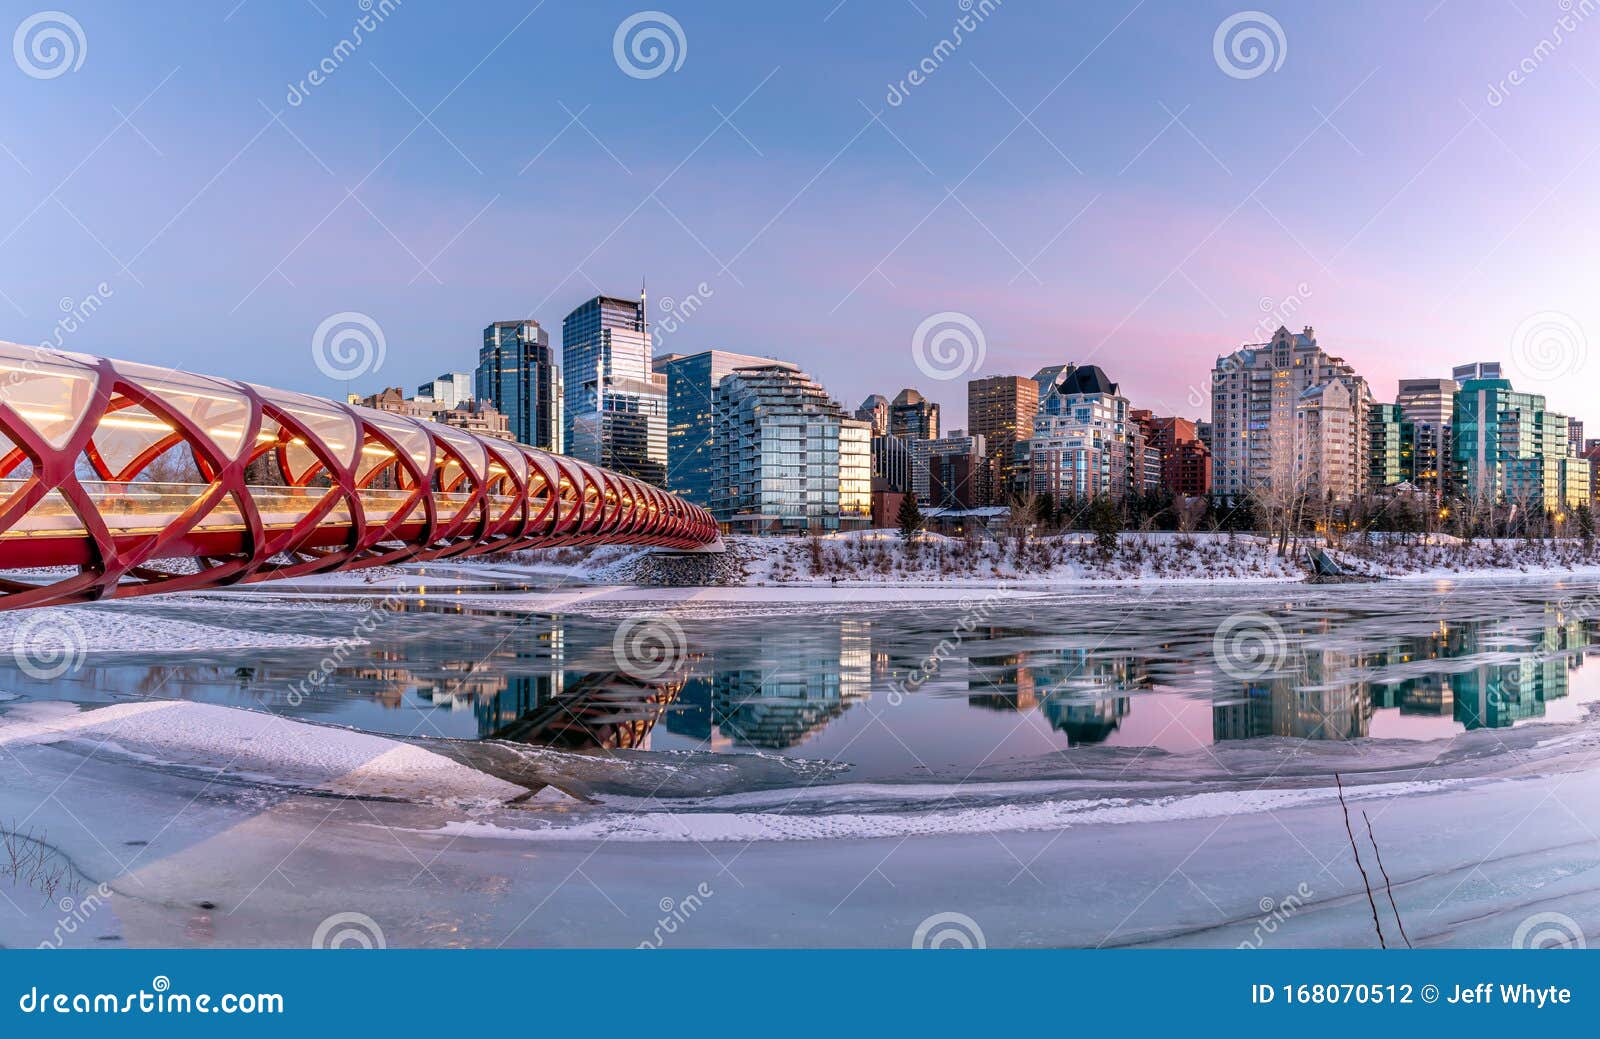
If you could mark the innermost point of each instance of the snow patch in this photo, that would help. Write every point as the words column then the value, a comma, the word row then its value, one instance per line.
column 256, row 745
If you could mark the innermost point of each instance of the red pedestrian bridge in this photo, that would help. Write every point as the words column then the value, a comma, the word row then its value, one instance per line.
column 123, row 479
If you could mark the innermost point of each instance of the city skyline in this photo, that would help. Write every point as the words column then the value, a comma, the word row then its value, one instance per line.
column 1402, row 194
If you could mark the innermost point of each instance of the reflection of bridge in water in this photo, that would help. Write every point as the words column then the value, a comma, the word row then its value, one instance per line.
column 119, row 479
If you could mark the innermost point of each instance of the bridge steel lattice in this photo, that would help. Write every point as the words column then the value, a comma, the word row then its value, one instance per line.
column 123, row 479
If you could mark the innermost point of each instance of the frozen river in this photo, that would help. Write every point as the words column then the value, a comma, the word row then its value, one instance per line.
column 526, row 767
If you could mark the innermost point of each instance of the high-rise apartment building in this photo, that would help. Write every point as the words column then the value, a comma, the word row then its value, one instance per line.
column 1185, row 459
column 692, row 381
column 615, row 403
column 1391, row 447
column 1001, row 409
column 1258, row 437
column 1427, row 404
column 786, row 458
column 1084, row 444
column 517, row 376
column 913, row 416
column 1574, row 436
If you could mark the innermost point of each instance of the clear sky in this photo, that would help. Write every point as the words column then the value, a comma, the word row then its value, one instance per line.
column 1087, row 182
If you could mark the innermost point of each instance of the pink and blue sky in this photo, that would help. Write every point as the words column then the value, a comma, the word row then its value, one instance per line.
column 1085, row 181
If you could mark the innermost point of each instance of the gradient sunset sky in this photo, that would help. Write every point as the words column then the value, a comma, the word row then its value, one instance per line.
column 1086, row 181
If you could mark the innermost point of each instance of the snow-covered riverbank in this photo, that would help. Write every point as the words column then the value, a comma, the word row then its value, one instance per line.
column 878, row 559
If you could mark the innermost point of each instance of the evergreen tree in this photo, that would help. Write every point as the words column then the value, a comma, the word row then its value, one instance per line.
column 1044, row 511
column 1106, row 523
column 1585, row 516
column 909, row 518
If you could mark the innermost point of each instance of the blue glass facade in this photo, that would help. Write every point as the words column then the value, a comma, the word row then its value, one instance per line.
column 517, row 374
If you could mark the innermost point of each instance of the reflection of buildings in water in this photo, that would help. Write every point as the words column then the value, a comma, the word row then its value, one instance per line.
column 1493, row 696
column 1069, row 685
column 809, row 682
column 1086, row 721
column 1317, row 702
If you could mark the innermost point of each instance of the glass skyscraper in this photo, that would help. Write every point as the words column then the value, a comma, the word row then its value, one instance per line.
column 692, row 382
column 518, row 376
column 615, row 405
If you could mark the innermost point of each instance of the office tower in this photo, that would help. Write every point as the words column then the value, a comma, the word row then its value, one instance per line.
column 1574, row 436
column 1258, row 422
column 452, row 389
column 914, row 417
column 951, row 472
column 615, row 404
column 786, row 457
column 517, row 376
column 891, row 463
column 875, row 410
column 1001, row 409
column 1427, row 404
column 692, row 381
column 1510, row 449
column 1084, row 445
column 1476, row 370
